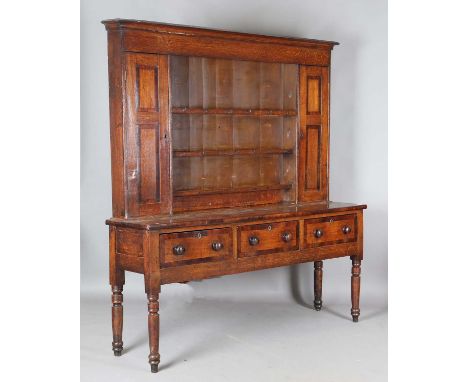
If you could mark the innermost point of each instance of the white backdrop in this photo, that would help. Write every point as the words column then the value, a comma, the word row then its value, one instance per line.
column 358, row 168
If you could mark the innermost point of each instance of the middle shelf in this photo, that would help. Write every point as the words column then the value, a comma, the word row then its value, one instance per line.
column 231, row 152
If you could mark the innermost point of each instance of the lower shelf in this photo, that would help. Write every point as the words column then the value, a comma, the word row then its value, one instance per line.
column 231, row 190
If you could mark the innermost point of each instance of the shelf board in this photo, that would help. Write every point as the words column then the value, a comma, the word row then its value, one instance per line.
column 232, row 190
column 252, row 112
column 230, row 152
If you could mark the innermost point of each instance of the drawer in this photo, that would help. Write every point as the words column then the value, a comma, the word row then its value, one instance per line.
column 268, row 238
column 195, row 246
column 330, row 230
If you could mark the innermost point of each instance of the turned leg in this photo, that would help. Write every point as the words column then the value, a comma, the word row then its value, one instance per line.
column 355, row 287
column 318, row 273
column 117, row 319
column 153, row 329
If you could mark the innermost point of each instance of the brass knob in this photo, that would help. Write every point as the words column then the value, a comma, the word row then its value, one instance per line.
column 254, row 240
column 346, row 229
column 178, row 250
column 318, row 233
column 217, row 246
column 286, row 236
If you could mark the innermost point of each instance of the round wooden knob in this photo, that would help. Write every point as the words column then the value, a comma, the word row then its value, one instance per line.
column 254, row 240
column 318, row 233
column 178, row 250
column 286, row 236
column 346, row 229
column 217, row 246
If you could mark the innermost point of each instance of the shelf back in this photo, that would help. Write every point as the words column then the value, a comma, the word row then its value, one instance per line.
column 233, row 127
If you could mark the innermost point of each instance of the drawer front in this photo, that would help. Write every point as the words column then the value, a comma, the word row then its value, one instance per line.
column 268, row 238
column 195, row 246
column 330, row 230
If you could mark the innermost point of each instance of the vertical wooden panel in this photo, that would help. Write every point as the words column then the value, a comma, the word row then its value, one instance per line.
column 224, row 83
column 245, row 171
column 116, row 67
column 314, row 133
column 312, row 158
column 195, row 139
column 217, row 172
column 209, row 82
column 271, row 132
column 195, row 82
column 313, row 95
column 180, row 132
column 179, row 81
column 147, row 88
column 196, row 173
column 181, row 173
column 288, row 174
column 147, row 135
column 290, row 80
column 246, row 77
column 246, row 132
column 149, row 170
column 222, row 137
column 165, row 146
column 270, row 169
column 271, row 86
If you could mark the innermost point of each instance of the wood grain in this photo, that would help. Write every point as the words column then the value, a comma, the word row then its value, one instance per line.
column 269, row 238
column 197, row 246
column 313, row 133
column 318, row 276
column 332, row 230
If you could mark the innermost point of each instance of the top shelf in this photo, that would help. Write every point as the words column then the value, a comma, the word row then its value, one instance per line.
column 225, row 111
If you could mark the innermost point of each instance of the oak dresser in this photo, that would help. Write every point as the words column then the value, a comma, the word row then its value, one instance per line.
column 220, row 161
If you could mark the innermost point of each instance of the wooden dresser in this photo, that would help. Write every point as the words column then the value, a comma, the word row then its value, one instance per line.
column 220, row 161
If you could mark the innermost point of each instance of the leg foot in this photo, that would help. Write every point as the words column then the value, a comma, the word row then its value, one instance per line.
column 117, row 319
column 153, row 329
column 355, row 288
column 318, row 273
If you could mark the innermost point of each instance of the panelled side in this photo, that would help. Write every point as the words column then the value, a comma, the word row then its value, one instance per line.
column 115, row 65
column 313, row 133
column 147, row 140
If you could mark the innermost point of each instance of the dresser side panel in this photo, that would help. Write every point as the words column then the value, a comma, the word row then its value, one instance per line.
column 115, row 68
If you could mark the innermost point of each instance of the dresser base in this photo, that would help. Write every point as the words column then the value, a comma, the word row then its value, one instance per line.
column 195, row 246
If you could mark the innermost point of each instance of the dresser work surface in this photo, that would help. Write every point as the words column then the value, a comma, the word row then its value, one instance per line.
column 220, row 161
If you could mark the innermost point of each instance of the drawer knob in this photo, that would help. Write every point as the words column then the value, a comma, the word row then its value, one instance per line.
column 346, row 229
column 217, row 246
column 178, row 250
column 254, row 240
column 318, row 233
column 286, row 236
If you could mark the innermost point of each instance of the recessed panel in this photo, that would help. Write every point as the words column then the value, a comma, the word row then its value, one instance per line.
column 149, row 168
column 313, row 95
column 147, row 88
column 313, row 158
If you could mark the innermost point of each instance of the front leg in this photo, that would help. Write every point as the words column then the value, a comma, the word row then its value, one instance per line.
column 153, row 330
column 117, row 280
column 152, row 288
column 318, row 274
column 355, row 287
column 117, row 319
